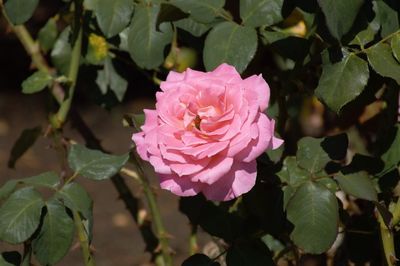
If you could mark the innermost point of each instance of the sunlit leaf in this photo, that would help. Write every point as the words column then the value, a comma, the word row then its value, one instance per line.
column 382, row 61
column 313, row 210
column 358, row 185
column 256, row 13
column 55, row 236
column 230, row 43
column 37, row 82
column 342, row 82
column 20, row 215
column 19, row 11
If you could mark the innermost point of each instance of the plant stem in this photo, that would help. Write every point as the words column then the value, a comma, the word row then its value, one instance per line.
column 83, row 240
column 193, row 247
column 387, row 242
column 155, row 212
column 72, row 77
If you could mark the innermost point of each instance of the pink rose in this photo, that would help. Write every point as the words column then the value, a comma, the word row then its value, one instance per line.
column 207, row 131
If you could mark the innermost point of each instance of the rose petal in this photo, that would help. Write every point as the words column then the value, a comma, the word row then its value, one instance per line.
column 217, row 168
column 239, row 180
column 179, row 185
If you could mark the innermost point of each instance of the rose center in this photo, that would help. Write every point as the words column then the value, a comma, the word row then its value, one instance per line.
column 197, row 121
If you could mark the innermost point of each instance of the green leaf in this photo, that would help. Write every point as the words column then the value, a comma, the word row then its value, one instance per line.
column 199, row 260
column 145, row 43
column 395, row 44
column 48, row 179
column 313, row 210
column 61, row 53
column 37, row 82
column 94, row 164
column 23, row 143
column 108, row 78
column 340, row 15
column 310, row 154
column 387, row 16
column 47, row 35
column 292, row 174
column 76, row 198
column 365, row 36
column 358, row 185
column 329, row 183
column 134, row 120
column 7, row 188
column 113, row 16
column 20, row 215
column 195, row 28
column 203, row 11
column 19, row 11
column 391, row 157
column 342, row 82
column 230, row 43
column 255, row 13
column 55, row 236
column 382, row 61
column 252, row 253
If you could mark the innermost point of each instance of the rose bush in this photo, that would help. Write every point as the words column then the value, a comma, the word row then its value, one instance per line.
column 206, row 132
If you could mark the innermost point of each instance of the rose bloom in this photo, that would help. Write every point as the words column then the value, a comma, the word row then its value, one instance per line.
column 207, row 131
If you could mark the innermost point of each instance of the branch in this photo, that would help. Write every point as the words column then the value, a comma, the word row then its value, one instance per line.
column 83, row 240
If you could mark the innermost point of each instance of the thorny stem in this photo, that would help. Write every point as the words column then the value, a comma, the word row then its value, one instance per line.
column 83, row 240
column 387, row 242
column 72, row 77
column 132, row 203
column 155, row 212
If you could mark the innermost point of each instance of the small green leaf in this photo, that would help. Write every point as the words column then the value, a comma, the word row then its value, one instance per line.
column 192, row 26
column 199, row 260
column 249, row 254
column 20, row 215
column 108, row 78
column 203, row 11
column 19, row 11
column 310, row 154
column 23, row 143
column 365, row 36
column 48, row 179
column 255, row 13
column 55, row 236
column 7, row 188
column 37, row 82
column 76, row 198
column 387, row 16
column 61, row 53
column 134, row 120
column 146, row 43
column 48, row 35
column 94, row 164
column 313, row 210
column 329, row 183
column 382, row 61
column 292, row 174
column 395, row 44
column 230, row 43
column 340, row 15
column 342, row 82
column 113, row 16
column 358, row 185
column 391, row 157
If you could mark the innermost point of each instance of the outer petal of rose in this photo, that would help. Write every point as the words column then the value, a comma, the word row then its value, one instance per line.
column 159, row 165
column 276, row 142
column 257, row 146
column 256, row 84
column 151, row 120
column 226, row 70
column 180, row 186
column 217, row 168
column 189, row 168
column 141, row 146
column 236, row 182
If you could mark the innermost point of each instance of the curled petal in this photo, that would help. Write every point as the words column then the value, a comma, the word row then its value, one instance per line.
column 180, row 186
